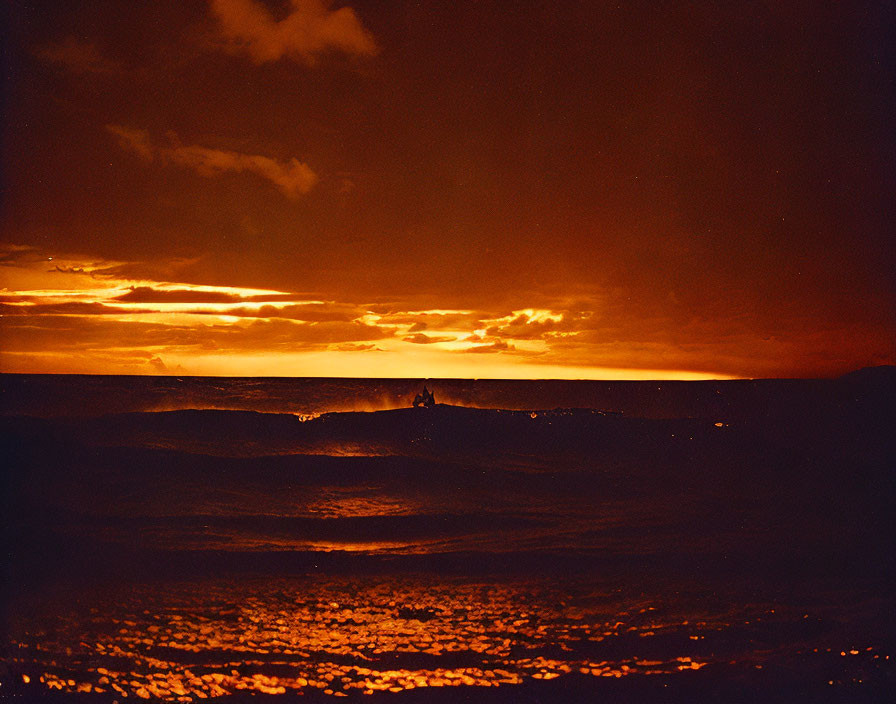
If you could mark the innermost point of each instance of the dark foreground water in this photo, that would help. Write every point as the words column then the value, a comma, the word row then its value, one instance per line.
column 184, row 539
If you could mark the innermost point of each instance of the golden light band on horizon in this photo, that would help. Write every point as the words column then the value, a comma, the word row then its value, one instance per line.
column 223, row 318
column 138, row 326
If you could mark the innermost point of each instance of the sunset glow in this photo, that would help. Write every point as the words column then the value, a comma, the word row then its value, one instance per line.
column 143, row 326
column 316, row 188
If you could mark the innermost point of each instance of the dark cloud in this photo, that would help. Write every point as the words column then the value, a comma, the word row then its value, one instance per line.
column 355, row 347
column 434, row 321
column 310, row 313
column 499, row 346
column 523, row 328
column 147, row 294
column 81, row 308
column 422, row 339
column 60, row 334
column 307, row 312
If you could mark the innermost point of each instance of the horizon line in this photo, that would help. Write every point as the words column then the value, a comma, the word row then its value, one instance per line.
column 721, row 378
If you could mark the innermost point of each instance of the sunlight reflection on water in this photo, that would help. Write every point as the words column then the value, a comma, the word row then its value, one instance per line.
column 334, row 635
column 184, row 641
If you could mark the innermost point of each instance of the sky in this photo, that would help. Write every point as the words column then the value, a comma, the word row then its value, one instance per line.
column 475, row 189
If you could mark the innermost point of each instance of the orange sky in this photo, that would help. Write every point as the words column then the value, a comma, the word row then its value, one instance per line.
column 535, row 190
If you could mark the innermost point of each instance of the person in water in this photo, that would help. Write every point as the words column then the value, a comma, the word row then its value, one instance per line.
column 424, row 399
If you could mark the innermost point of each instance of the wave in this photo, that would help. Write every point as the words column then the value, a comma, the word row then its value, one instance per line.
column 440, row 431
column 444, row 480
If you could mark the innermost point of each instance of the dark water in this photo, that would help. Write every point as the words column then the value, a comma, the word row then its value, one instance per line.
column 191, row 538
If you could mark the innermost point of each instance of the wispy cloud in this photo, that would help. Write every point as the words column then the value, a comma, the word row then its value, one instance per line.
column 292, row 177
column 133, row 140
column 77, row 56
column 311, row 29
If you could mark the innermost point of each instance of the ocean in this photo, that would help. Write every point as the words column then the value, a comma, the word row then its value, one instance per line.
column 187, row 538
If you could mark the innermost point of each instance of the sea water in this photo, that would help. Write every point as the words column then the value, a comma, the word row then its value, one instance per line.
column 201, row 537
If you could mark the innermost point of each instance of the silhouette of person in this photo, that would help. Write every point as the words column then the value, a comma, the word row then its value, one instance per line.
column 424, row 399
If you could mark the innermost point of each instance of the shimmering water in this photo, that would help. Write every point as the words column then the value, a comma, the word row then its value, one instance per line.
column 341, row 634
